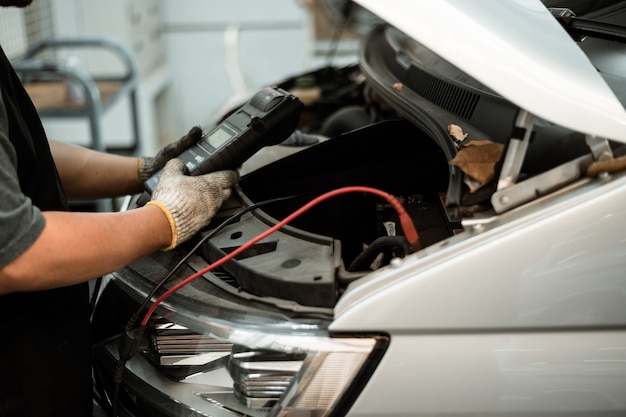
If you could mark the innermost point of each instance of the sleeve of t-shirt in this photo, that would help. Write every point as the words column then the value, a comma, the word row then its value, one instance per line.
column 21, row 222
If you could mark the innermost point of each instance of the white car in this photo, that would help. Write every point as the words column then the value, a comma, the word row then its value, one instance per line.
column 477, row 266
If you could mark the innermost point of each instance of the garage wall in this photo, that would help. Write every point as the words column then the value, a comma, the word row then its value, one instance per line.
column 218, row 49
column 195, row 56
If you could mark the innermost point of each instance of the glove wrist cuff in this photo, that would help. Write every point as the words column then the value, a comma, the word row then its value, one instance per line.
column 170, row 219
column 144, row 168
column 139, row 164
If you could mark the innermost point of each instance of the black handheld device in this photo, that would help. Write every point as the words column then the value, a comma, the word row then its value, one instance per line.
column 270, row 116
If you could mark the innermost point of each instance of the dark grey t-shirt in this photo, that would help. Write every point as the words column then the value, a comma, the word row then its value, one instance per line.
column 20, row 221
column 29, row 185
column 29, row 181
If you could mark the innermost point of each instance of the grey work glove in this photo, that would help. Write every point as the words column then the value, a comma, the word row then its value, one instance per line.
column 189, row 202
column 147, row 166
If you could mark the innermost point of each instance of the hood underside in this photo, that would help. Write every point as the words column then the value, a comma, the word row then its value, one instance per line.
column 519, row 50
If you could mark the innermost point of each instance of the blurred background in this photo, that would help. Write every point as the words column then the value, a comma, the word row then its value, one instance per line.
column 193, row 59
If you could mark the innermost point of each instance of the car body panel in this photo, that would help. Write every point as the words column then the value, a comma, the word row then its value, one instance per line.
column 503, row 374
column 518, row 49
column 558, row 262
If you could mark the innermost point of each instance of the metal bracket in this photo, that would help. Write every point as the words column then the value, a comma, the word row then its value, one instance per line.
column 540, row 185
column 510, row 195
column 600, row 148
column 516, row 149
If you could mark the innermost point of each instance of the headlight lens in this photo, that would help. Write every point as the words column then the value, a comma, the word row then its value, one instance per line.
column 261, row 375
column 308, row 383
column 323, row 382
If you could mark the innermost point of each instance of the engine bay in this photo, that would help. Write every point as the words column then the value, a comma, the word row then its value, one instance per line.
column 366, row 133
column 327, row 247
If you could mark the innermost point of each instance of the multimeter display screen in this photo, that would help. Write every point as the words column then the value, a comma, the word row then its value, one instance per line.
column 218, row 137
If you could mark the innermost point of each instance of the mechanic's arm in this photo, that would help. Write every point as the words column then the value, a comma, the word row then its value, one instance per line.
column 75, row 247
column 88, row 174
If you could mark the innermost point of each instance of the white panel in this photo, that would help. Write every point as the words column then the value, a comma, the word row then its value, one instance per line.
column 220, row 50
column 200, row 82
column 499, row 374
column 12, row 33
column 215, row 11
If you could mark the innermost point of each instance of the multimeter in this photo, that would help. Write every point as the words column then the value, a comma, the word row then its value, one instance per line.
column 268, row 118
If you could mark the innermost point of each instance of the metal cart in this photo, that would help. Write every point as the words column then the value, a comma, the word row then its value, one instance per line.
column 46, row 81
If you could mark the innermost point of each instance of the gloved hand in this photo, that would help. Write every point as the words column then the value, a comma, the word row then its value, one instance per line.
column 148, row 166
column 190, row 202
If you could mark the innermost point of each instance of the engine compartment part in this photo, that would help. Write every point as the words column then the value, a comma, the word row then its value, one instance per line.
column 306, row 262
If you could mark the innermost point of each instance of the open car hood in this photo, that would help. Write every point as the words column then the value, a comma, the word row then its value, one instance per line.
column 520, row 51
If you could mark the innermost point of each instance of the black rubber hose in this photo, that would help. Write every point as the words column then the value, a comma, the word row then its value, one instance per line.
column 396, row 246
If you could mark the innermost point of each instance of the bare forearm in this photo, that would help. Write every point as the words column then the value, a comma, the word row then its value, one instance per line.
column 89, row 174
column 75, row 247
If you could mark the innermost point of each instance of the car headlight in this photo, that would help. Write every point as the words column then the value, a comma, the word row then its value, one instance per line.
column 310, row 382
column 260, row 375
